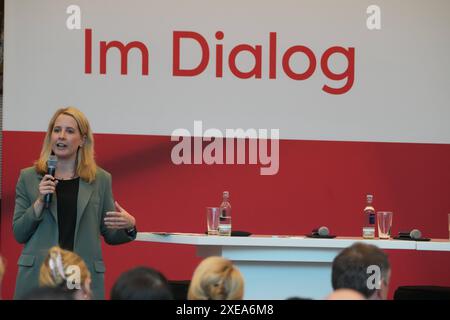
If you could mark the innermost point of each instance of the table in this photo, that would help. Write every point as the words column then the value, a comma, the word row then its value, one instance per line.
column 278, row 267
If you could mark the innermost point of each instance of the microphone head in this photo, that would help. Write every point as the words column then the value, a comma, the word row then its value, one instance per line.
column 52, row 161
column 322, row 232
column 415, row 234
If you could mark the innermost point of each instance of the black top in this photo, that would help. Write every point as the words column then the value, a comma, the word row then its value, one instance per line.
column 67, row 195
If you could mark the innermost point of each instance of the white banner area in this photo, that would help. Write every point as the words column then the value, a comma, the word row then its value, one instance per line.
column 315, row 70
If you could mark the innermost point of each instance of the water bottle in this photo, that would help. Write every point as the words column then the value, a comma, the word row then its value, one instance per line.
column 225, row 215
column 369, row 219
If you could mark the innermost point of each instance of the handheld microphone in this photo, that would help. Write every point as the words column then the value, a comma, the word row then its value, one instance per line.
column 413, row 234
column 51, row 168
column 322, row 231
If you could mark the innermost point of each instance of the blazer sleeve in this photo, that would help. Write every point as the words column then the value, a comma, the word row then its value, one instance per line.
column 25, row 221
column 111, row 236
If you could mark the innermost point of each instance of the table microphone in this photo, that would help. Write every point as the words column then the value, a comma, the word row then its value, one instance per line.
column 51, row 168
column 413, row 234
column 322, row 231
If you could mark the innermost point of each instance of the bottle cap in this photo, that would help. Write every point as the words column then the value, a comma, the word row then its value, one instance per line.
column 369, row 198
column 226, row 194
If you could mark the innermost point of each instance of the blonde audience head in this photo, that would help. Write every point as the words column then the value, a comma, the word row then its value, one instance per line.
column 2, row 269
column 216, row 278
column 63, row 268
column 2, row 272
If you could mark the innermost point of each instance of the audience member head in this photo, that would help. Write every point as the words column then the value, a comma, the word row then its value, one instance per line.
column 2, row 269
column 298, row 298
column 2, row 272
column 66, row 269
column 357, row 266
column 141, row 283
column 216, row 278
column 345, row 294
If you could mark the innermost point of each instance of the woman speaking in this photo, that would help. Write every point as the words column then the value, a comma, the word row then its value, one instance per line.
column 81, row 208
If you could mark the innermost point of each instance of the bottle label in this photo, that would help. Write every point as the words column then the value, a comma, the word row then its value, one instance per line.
column 225, row 226
column 368, row 233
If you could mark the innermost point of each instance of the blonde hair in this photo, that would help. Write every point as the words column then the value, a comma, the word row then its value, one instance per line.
column 2, row 269
column 54, row 271
column 216, row 278
column 85, row 163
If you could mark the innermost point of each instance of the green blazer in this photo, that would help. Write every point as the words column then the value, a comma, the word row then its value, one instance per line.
column 40, row 234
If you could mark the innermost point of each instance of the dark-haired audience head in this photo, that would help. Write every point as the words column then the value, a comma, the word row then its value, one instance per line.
column 298, row 298
column 364, row 268
column 141, row 283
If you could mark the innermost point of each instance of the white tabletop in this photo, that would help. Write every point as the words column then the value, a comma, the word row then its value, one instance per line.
column 288, row 265
column 286, row 241
column 434, row 245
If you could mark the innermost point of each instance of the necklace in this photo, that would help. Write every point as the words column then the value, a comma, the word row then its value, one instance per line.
column 73, row 176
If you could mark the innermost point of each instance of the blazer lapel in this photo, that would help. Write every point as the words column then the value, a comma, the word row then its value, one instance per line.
column 84, row 195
